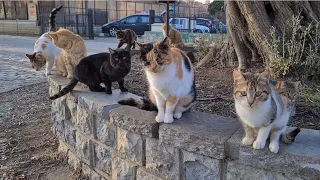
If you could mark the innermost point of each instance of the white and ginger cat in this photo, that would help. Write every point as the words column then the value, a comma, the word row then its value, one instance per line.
column 174, row 35
column 171, row 81
column 45, row 52
column 72, row 46
column 264, row 110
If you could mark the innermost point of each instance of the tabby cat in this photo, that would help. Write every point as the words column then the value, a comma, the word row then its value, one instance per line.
column 73, row 47
column 127, row 36
column 100, row 68
column 262, row 110
column 174, row 35
column 171, row 78
column 45, row 52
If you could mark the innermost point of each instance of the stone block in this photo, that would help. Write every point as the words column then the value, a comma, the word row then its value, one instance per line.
column 101, row 103
column 70, row 135
column 234, row 144
column 135, row 120
column 103, row 158
column 71, row 108
column 57, row 81
column 236, row 171
column 130, row 145
column 143, row 175
column 74, row 161
column 105, row 132
column 200, row 132
column 123, row 170
column 302, row 157
column 83, row 148
column 162, row 160
column 198, row 167
column 85, row 121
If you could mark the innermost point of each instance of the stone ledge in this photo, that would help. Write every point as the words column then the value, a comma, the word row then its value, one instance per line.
column 199, row 132
column 135, row 120
column 302, row 157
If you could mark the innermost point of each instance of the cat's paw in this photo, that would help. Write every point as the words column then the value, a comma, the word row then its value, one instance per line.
column 123, row 89
column 64, row 74
column 69, row 76
column 168, row 118
column 159, row 118
column 247, row 141
column 258, row 144
column 274, row 147
column 177, row 115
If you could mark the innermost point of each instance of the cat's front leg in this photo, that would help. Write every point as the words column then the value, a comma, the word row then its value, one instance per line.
column 274, row 141
column 68, row 63
column 160, row 105
column 120, row 44
column 108, row 85
column 262, row 137
column 121, row 86
column 171, row 104
column 249, row 135
column 49, row 66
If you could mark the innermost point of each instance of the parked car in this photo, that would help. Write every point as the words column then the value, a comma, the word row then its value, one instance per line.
column 183, row 23
column 139, row 23
column 211, row 24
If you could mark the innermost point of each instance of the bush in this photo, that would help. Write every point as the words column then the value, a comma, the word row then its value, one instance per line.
column 298, row 54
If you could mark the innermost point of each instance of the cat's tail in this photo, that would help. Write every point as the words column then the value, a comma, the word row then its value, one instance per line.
column 52, row 19
column 144, row 104
column 66, row 89
column 290, row 136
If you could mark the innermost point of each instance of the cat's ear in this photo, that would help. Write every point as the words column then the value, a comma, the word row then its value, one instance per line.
column 111, row 51
column 237, row 76
column 31, row 56
column 53, row 36
column 164, row 43
column 264, row 76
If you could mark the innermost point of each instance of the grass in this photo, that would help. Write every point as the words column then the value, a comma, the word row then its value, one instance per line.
column 310, row 93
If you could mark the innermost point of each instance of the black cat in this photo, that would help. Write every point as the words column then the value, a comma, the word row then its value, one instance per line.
column 100, row 68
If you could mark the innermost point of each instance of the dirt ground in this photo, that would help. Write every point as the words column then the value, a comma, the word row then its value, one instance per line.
column 215, row 94
column 28, row 148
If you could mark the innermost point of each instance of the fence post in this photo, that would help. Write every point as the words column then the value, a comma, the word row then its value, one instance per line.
column 90, row 23
column 77, row 23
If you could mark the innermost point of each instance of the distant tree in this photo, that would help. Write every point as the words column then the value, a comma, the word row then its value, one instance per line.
column 215, row 6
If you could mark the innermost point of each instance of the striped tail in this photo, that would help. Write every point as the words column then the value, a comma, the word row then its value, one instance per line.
column 66, row 89
column 290, row 136
column 52, row 19
column 144, row 104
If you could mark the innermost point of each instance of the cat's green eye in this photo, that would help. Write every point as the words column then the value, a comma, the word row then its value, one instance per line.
column 243, row 93
column 258, row 93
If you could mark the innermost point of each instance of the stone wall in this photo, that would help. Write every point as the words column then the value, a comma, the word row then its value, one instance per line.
column 109, row 141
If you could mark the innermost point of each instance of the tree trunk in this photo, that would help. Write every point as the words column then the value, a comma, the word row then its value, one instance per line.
column 249, row 29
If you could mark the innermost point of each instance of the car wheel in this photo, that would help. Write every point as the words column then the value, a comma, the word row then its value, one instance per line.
column 198, row 31
column 113, row 31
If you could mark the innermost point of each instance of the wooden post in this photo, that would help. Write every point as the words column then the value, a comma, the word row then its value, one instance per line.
column 167, row 18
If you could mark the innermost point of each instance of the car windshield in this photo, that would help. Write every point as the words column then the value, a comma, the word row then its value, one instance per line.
column 130, row 20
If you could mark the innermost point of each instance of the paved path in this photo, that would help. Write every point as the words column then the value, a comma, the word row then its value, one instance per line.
column 15, row 69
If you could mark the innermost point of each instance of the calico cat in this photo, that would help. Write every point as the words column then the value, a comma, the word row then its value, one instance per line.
column 73, row 47
column 174, row 35
column 171, row 78
column 261, row 110
column 45, row 52
column 127, row 36
column 100, row 68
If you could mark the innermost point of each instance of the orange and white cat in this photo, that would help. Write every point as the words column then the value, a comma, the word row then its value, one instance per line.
column 174, row 35
column 171, row 81
column 72, row 47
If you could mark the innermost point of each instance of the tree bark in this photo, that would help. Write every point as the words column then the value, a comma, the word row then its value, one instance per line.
column 249, row 30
